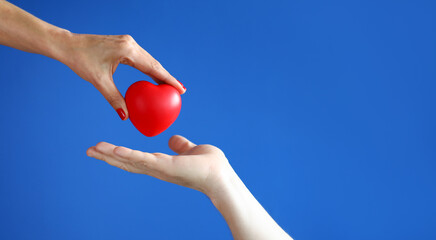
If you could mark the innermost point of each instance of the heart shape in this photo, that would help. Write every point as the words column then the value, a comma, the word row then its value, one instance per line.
column 152, row 108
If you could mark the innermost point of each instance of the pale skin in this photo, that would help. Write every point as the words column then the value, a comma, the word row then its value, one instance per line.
column 204, row 168
column 95, row 59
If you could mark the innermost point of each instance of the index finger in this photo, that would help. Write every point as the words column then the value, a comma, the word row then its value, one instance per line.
column 145, row 63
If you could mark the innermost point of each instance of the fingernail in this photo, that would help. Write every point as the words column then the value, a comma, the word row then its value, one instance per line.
column 181, row 84
column 121, row 113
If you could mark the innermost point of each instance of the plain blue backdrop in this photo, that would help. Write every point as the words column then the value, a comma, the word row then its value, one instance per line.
column 326, row 109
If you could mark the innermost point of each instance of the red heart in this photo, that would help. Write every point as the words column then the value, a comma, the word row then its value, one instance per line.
column 152, row 108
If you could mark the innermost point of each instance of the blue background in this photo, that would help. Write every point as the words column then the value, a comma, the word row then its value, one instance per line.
column 326, row 109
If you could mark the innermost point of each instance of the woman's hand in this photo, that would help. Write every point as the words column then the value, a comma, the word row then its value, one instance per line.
column 202, row 167
column 96, row 57
column 93, row 57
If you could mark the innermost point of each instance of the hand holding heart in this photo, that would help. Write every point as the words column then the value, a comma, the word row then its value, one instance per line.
column 96, row 57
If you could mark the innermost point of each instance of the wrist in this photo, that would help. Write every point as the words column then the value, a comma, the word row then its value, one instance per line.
column 60, row 45
column 225, row 186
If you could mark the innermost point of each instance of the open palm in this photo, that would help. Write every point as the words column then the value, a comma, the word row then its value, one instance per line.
column 200, row 167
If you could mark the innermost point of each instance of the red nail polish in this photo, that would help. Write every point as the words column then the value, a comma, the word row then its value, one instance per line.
column 121, row 113
column 181, row 84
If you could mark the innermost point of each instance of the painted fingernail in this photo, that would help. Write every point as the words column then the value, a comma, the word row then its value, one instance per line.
column 121, row 113
column 181, row 84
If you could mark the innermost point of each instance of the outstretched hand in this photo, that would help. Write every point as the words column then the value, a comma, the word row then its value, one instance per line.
column 96, row 57
column 201, row 167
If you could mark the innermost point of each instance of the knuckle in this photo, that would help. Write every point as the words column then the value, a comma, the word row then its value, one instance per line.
column 127, row 38
column 127, row 60
column 113, row 100
column 127, row 43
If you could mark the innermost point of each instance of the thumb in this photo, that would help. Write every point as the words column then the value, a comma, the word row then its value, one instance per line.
column 180, row 144
column 108, row 89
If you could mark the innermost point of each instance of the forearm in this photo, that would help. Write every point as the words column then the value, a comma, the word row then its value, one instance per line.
column 245, row 216
column 23, row 31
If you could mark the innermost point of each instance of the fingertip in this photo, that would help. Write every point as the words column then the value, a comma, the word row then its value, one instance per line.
column 182, row 88
column 180, row 144
column 123, row 114
column 90, row 152
column 110, row 92
column 173, row 138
